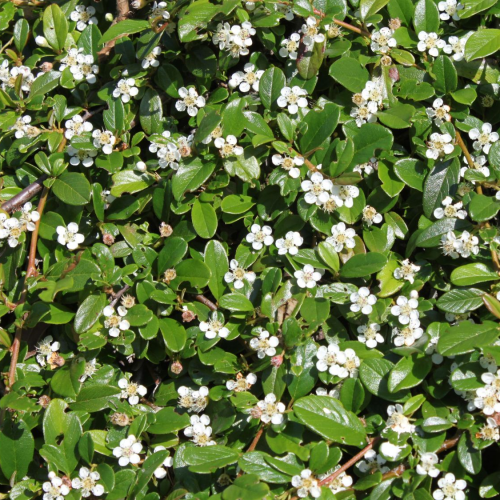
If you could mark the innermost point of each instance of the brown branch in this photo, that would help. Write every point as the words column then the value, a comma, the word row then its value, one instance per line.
column 352, row 28
column 123, row 10
column 256, row 439
column 356, row 458
column 25, row 195
column 31, row 271
column 89, row 114
column 117, row 296
column 479, row 190
column 207, row 302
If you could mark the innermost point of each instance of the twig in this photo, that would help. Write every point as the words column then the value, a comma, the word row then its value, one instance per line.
column 207, row 302
column 123, row 10
column 6, row 45
column 352, row 28
column 256, row 439
column 118, row 295
column 356, row 458
column 25, row 195
column 89, row 114
column 31, row 271
column 479, row 190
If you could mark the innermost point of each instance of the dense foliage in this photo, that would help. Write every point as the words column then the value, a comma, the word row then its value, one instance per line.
column 249, row 250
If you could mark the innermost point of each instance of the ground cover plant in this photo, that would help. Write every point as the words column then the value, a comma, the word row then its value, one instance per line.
column 249, row 250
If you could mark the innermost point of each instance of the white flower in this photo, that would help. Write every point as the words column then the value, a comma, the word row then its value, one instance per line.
column 89, row 370
column 449, row 9
column 397, row 421
column 228, row 146
column 311, row 32
column 450, row 210
column 478, row 163
column 406, row 309
column 264, row 344
column 406, row 271
column 351, row 364
column 151, row 60
column 285, row 9
column 370, row 335
column 222, row 36
column 242, row 36
column 293, row 98
column 430, row 42
column 467, row 244
column 306, row 485
column 125, row 88
column 169, row 156
column 270, row 411
column 363, row 300
column 9, row 78
column 289, row 164
column 83, row 16
column 488, row 362
column 214, row 327
column 200, row 431
column 340, row 483
column 342, row 237
column 383, row 41
column 76, row 127
column 87, row 482
column 69, row 236
column 115, row 322
column 333, row 393
column 331, row 359
column 290, row 243
column 45, row 349
column 455, row 46
column 450, row 488
column 260, row 236
column 490, row 431
column 246, row 79
column 128, row 451
column 23, row 128
column 104, row 139
column 487, row 399
column 308, row 277
column 408, row 335
column 439, row 111
column 317, row 189
column 290, row 46
column 371, row 216
column 85, row 69
column 346, row 194
column 448, row 245
column 161, row 472
column 241, row 383
column 131, row 390
column 366, row 112
column 238, row 274
column 372, row 462
column 160, row 10
column 83, row 156
column 427, row 465
column 190, row 101
column 439, row 145
column 368, row 167
column 194, row 401
column 483, row 139
column 390, row 450
column 54, row 489
column 10, row 230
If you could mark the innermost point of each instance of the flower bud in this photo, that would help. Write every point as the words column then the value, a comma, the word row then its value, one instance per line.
column 395, row 23
column 41, row 41
column 141, row 166
column 176, row 367
column 165, row 230
column 108, row 239
column 120, row 419
column 109, row 17
column 44, row 401
column 277, row 360
column 188, row 316
column 169, row 275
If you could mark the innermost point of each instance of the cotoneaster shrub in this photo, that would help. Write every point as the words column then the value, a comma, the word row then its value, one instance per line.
column 249, row 250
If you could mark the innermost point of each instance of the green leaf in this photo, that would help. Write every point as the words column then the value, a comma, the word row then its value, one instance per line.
column 411, row 172
column 89, row 312
column 431, row 236
column 174, row 334
column 471, row 274
column 482, row 43
column 17, row 448
column 195, row 272
column 237, row 204
column 151, row 112
column 190, row 176
column 192, row 25
column 254, row 462
column 426, row 17
column 216, row 260
column 441, row 182
column 210, row 458
column 397, row 117
column 126, row 27
column 304, row 375
column 55, row 26
column 328, row 418
column 482, row 208
column 469, row 457
column 168, row 421
column 146, row 472
column 374, row 373
column 465, row 337
column 114, row 116
column 349, row 73
column 446, row 75
column 244, row 166
column 490, row 486
column 363, row 264
column 72, row 188
column 204, row 219
column 309, row 61
column 461, row 301
column 320, row 125
column 236, row 302
column 271, row 83
column 95, row 398
column 472, row 7
column 21, row 33
column 130, row 181
column 402, row 9
column 409, row 372
column 368, row 8
column 247, row 486
column 171, row 254
column 44, row 84
column 368, row 139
